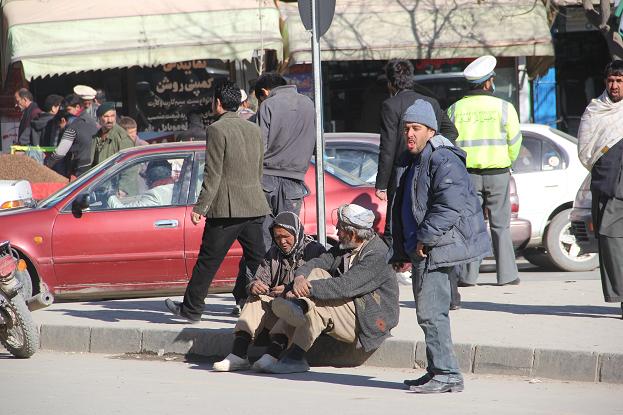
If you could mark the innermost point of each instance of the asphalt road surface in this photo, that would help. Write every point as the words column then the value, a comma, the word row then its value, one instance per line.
column 78, row 384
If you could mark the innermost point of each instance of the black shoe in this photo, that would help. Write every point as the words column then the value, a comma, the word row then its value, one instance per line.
column 175, row 307
column 434, row 386
column 516, row 281
column 455, row 306
column 464, row 284
column 419, row 381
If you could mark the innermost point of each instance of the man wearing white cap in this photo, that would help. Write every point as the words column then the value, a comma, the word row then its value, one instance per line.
column 349, row 293
column 244, row 110
column 87, row 95
column 489, row 133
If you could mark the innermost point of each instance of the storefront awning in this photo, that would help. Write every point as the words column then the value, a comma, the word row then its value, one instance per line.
column 424, row 29
column 62, row 36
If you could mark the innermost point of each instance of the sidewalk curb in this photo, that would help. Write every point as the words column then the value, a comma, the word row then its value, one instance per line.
column 479, row 359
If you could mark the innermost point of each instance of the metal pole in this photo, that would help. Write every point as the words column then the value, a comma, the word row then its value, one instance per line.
column 320, row 206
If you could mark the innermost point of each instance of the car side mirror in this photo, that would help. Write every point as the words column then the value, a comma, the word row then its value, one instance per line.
column 80, row 204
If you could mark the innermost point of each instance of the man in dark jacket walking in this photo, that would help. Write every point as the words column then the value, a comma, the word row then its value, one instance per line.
column 349, row 293
column 287, row 122
column 30, row 110
column 437, row 225
column 392, row 147
column 231, row 200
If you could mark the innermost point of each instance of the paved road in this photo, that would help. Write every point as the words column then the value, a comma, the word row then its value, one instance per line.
column 68, row 384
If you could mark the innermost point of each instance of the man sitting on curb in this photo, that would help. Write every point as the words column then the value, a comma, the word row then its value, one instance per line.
column 291, row 248
column 350, row 293
column 437, row 224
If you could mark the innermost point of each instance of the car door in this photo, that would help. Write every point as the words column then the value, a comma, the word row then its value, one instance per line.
column 539, row 173
column 227, row 272
column 134, row 241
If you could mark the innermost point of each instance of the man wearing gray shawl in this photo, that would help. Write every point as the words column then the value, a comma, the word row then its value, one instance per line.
column 600, row 148
column 291, row 248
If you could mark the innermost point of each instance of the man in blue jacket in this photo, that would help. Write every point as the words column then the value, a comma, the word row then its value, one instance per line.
column 437, row 225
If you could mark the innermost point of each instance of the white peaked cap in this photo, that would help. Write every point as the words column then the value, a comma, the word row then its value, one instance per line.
column 85, row 92
column 480, row 70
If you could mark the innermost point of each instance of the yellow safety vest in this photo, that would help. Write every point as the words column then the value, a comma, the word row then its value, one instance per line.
column 488, row 131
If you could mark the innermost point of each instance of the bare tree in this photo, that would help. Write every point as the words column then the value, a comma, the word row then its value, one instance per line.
column 601, row 19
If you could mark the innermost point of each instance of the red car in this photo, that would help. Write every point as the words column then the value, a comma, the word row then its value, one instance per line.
column 82, row 248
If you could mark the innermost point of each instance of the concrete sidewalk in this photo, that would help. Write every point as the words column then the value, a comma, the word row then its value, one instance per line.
column 552, row 329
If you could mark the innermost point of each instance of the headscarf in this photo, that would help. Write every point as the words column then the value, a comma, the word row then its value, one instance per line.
column 290, row 222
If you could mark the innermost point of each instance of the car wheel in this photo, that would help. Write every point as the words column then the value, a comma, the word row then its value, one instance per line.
column 537, row 257
column 562, row 249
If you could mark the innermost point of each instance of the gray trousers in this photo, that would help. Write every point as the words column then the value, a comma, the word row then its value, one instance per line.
column 494, row 195
column 431, row 290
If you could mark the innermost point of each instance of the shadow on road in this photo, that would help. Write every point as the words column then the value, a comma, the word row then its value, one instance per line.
column 550, row 310
column 153, row 311
column 324, row 377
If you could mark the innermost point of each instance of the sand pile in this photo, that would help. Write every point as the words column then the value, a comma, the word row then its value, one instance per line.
column 21, row 167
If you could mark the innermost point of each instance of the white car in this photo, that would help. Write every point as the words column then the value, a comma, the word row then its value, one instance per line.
column 548, row 175
column 15, row 194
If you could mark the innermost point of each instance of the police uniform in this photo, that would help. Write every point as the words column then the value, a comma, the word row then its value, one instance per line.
column 490, row 135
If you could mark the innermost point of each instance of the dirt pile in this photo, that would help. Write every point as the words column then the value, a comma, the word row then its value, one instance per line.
column 21, row 167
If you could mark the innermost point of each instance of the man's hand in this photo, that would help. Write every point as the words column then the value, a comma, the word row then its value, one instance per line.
column 381, row 194
column 420, row 250
column 401, row 266
column 290, row 295
column 258, row 287
column 195, row 218
column 302, row 287
column 277, row 291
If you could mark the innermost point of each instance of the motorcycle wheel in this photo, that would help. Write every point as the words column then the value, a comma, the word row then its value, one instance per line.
column 18, row 334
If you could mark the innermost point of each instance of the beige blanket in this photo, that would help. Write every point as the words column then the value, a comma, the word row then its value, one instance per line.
column 601, row 127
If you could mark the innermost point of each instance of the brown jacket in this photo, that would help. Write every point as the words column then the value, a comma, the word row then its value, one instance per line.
column 231, row 179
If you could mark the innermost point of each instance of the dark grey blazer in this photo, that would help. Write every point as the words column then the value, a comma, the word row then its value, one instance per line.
column 231, row 180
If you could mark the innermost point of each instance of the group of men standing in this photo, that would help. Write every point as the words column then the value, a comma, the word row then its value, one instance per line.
column 82, row 127
column 252, row 192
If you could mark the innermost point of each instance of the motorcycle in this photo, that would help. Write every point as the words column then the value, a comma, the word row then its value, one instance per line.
column 18, row 332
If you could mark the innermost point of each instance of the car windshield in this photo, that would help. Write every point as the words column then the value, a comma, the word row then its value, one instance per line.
column 341, row 174
column 564, row 135
column 59, row 195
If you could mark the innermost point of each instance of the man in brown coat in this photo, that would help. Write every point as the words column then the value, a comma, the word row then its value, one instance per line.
column 231, row 199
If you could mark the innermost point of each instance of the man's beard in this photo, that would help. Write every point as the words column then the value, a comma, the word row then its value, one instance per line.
column 348, row 245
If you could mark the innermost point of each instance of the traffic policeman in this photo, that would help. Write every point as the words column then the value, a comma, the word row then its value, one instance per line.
column 489, row 133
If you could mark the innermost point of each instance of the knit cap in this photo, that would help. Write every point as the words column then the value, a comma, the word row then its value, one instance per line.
column 421, row 112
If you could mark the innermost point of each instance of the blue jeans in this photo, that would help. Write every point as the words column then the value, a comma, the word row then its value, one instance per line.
column 431, row 290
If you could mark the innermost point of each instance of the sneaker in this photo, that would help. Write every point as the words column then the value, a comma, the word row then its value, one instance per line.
column 232, row 363
column 435, row 386
column 404, row 278
column 288, row 365
column 289, row 311
column 175, row 307
column 263, row 362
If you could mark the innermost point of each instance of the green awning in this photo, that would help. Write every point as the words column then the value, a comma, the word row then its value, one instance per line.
column 62, row 36
column 424, row 29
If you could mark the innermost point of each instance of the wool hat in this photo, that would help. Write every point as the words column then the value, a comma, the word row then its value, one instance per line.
column 85, row 92
column 355, row 216
column 104, row 108
column 421, row 112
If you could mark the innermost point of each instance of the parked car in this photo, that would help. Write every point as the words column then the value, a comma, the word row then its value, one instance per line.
column 73, row 242
column 15, row 193
column 357, row 154
column 582, row 227
column 548, row 174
